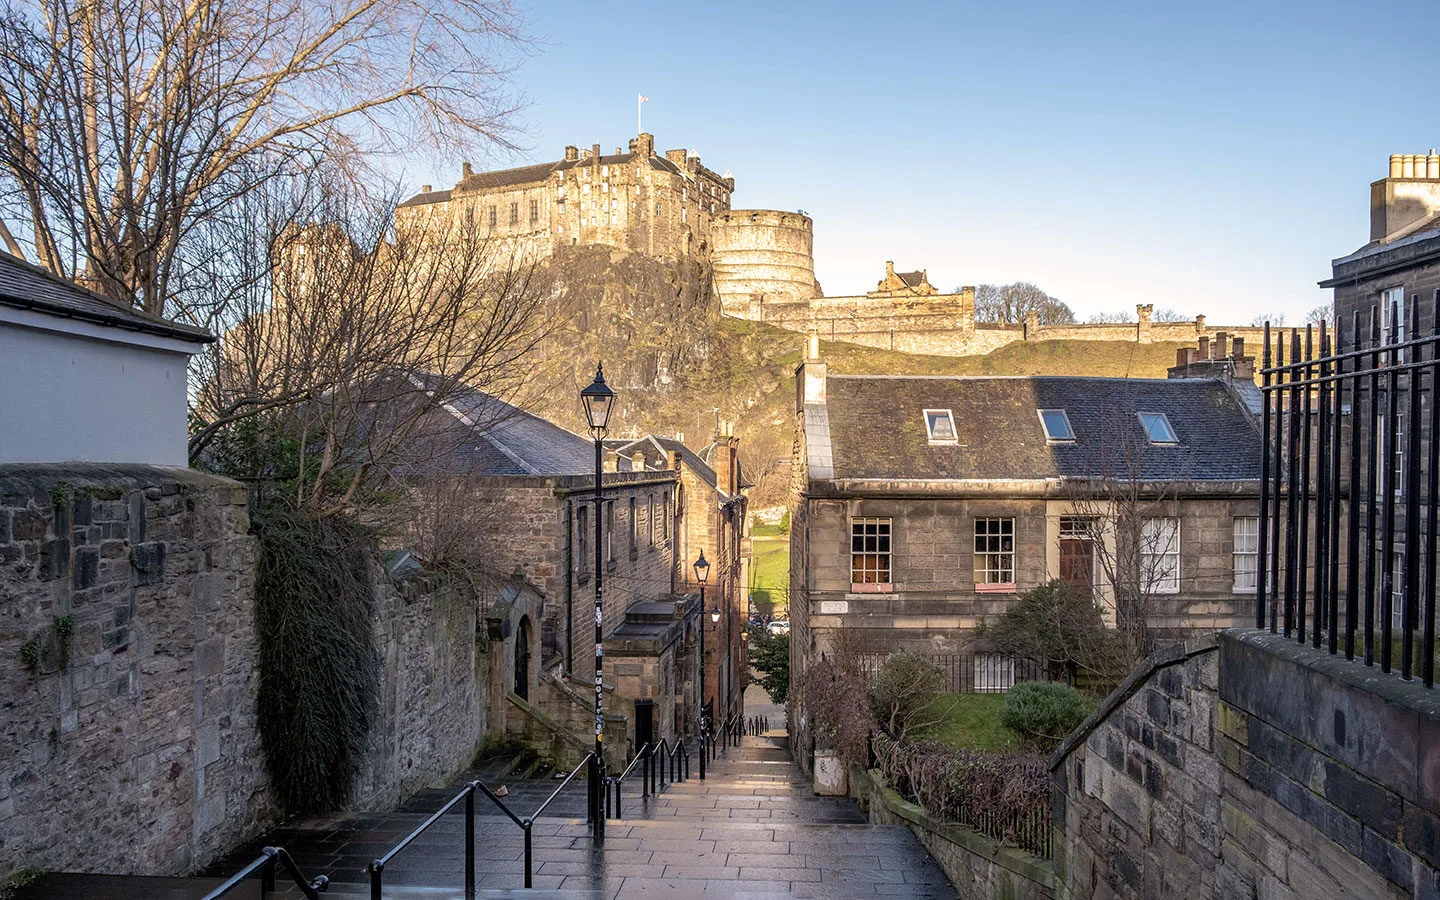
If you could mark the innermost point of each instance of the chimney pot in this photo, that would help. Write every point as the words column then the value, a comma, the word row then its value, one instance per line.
column 425, row 188
column 1204, row 347
column 1237, row 348
column 1407, row 166
column 1397, row 164
column 466, row 170
column 1180, row 357
column 1432, row 165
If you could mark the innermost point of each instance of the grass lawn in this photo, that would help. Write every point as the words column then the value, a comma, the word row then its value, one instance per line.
column 779, row 529
column 971, row 722
column 770, row 575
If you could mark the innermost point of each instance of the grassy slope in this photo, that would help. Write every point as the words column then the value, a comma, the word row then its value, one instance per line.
column 971, row 722
column 771, row 572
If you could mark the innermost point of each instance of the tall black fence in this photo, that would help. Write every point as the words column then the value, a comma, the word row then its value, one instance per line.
column 970, row 673
column 1347, row 552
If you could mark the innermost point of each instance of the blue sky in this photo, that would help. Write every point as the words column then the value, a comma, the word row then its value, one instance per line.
column 1204, row 157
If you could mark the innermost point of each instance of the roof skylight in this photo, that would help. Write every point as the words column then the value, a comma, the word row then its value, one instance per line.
column 940, row 426
column 1057, row 425
column 1157, row 428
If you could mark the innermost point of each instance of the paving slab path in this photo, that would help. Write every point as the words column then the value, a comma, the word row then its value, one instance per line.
column 752, row 829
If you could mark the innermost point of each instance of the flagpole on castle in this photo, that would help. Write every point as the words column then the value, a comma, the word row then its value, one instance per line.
column 640, row 102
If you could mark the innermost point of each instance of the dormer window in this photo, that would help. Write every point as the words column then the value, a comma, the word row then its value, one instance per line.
column 1057, row 426
column 940, row 426
column 1157, row 428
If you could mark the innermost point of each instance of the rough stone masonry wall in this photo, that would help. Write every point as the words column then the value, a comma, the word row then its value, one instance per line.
column 433, row 709
column 131, row 746
column 1137, row 793
column 1250, row 765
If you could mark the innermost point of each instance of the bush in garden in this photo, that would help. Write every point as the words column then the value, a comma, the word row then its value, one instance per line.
column 1042, row 713
column 905, row 693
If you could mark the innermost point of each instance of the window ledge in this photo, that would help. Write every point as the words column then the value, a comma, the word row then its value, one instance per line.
column 1003, row 588
column 885, row 588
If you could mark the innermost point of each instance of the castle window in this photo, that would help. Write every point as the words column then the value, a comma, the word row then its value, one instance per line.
column 492, row 217
column 605, row 187
column 657, row 209
column 561, row 191
column 561, row 207
column 515, row 214
column 584, row 188
column 614, row 204
column 534, row 211
column 683, row 210
column 605, row 170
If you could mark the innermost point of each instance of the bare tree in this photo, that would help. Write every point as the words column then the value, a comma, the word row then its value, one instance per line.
column 1324, row 313
column 346, row 344
column 1170, row 315
column 1013, row 302
column 1273, row 318
column 126, row 123
column 1103, row 318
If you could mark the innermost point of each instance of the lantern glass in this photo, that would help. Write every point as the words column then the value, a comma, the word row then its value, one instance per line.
column 702, row 569
column 598, row 400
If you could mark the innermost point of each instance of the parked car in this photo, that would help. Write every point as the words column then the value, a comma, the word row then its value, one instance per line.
column 779, row 626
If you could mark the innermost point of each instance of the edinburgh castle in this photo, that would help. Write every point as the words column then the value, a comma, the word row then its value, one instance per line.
column 761, row 261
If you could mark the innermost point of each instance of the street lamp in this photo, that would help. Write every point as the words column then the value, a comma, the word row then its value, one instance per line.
column 702, row 574
column 598, row 400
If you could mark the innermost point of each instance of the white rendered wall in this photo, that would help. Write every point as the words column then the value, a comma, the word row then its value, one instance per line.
column 71, row 397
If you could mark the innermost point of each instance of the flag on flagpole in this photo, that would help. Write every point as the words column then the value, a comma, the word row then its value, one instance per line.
column 644, row 99
column 640, row 112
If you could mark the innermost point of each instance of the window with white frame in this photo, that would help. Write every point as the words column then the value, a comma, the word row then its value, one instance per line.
column 1160, row 555
column 1387, row 441
column 1392, row 316
column 1158, row 428
column 1247, row 552
column 869, row 551
column 940, row 426
column 993, row 673
column 1057, row 426
column 995, row 552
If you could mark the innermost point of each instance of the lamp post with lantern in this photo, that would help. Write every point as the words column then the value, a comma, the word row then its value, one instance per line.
column 702, row 574
column 598, row 400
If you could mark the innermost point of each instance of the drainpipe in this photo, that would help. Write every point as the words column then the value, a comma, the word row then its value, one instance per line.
column 569, row 587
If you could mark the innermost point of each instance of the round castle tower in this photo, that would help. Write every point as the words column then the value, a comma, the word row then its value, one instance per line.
column 762, row 251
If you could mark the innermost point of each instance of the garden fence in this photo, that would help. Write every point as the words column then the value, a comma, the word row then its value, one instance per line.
column 971, row 673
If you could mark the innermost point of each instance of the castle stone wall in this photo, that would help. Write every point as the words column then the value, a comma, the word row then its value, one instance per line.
column 762, row 251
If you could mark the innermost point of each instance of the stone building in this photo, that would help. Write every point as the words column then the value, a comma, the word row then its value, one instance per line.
column 712, row 513
column 1399, row 269
column 635, row 199
column 903, row 284
column 528, row 490
column 926, row 504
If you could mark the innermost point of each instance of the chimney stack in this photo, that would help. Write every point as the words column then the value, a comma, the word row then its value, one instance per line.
column 1204, row 347
column 426, row 188
column 1222, row 341
column 637, row 461
column 810, row 377
column 572, row 153
column 465, row 170
column 1410, row 193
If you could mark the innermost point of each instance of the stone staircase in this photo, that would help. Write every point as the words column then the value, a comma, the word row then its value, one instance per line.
column 752, row 829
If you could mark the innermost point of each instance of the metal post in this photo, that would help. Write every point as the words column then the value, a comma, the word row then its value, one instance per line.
column 598, row 764
column 267, row 875
column 703, row 617
column 377, row 877
column 470, row 842
column 529, row 855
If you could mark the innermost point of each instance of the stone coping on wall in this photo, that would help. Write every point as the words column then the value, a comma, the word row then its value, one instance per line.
column 1026, row 865
column 1378, row 724
column 18, row 477
column 1163, row 658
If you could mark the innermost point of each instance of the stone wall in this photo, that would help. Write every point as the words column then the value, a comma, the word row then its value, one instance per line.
column 433, row 709
column 1137, row 798
column 130, row 745
column 979, row 867
column 129, row 665
column 1251, row 765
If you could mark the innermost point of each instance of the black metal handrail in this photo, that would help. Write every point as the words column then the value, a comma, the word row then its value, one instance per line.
column 265, row 863
column 377, row 867
column 619, row 780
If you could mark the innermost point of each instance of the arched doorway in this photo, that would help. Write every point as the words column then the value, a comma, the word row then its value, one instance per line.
column 522, row 659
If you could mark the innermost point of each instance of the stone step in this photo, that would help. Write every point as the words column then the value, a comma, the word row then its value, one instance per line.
column 77, row 886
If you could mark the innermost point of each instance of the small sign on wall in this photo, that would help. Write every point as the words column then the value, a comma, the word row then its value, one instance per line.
column 834, row 607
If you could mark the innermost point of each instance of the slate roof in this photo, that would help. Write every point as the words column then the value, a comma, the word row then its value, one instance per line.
column 656, row 449
column 26, row 286
column 876, row 429
column 480, row 434
column 912, row 279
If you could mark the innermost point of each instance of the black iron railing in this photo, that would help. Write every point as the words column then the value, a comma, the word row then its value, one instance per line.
column 265, row 864
column 467, row 795
column 1346, row 556
column 971, row 673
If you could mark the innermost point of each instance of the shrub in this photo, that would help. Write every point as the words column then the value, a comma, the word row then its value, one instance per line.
column 319, row 656
column 770, row 656
column 1004, row 795
column 904, row 694
column 833, row 700
column 1042, row 713
column 1060, row 625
